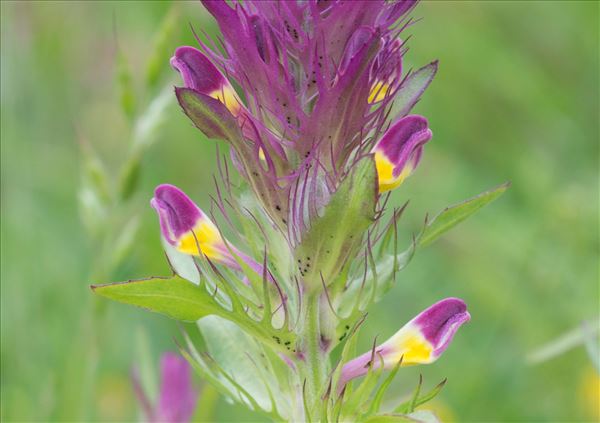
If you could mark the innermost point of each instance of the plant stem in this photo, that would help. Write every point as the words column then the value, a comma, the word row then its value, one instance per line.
column 314, row 360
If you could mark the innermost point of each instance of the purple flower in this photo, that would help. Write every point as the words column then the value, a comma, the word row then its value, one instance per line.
column 399, row 151
column 201, row 75
column 177, row 397
column 187, row 228
column 420, row 341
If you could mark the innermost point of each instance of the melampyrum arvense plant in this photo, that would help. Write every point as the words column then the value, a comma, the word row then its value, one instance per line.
column 320, row 133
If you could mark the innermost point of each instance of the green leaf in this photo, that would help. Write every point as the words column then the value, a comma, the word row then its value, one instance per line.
column 335, row 236
column 453, row 215
column 412, row 89
column 416, row 401
column 378, row 398
column 208, row 114
column 389, row 264
column 415, row 398
column 174, row 297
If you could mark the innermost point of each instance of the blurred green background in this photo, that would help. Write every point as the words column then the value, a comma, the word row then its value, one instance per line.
column 516, row 98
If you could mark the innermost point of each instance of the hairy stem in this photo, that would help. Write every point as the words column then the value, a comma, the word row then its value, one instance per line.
column 315, row 361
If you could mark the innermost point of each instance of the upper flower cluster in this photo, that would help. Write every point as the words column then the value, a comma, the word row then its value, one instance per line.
column 319, row 79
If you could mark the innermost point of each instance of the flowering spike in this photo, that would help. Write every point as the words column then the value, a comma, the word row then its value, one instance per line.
column 322, row 83
column 399, row 151
column 420, row 341
column 201, row 75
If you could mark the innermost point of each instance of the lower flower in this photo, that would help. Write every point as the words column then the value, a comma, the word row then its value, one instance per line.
column 420, row 341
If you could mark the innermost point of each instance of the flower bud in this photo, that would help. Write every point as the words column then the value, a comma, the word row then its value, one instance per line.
column 399, row 151
column 420, row 341
column 201, row 75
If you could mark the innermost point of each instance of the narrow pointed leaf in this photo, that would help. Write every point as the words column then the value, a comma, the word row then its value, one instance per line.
column 208, row 114
column 412, row 89
column 378, row 398
column 453, row 215
column 405, row 407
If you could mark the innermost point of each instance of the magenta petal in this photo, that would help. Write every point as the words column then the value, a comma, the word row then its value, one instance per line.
column 176, row 212
column 439, row 323
column 197, row 71
column 177, row 397
column 402, row 144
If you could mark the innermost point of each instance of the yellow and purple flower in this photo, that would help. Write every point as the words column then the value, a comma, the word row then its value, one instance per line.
column 187, row 228
column 199, row 74
column 399, row 151
column 420, row 341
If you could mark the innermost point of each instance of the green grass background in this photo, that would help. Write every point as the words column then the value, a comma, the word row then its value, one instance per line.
column 516, row 98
